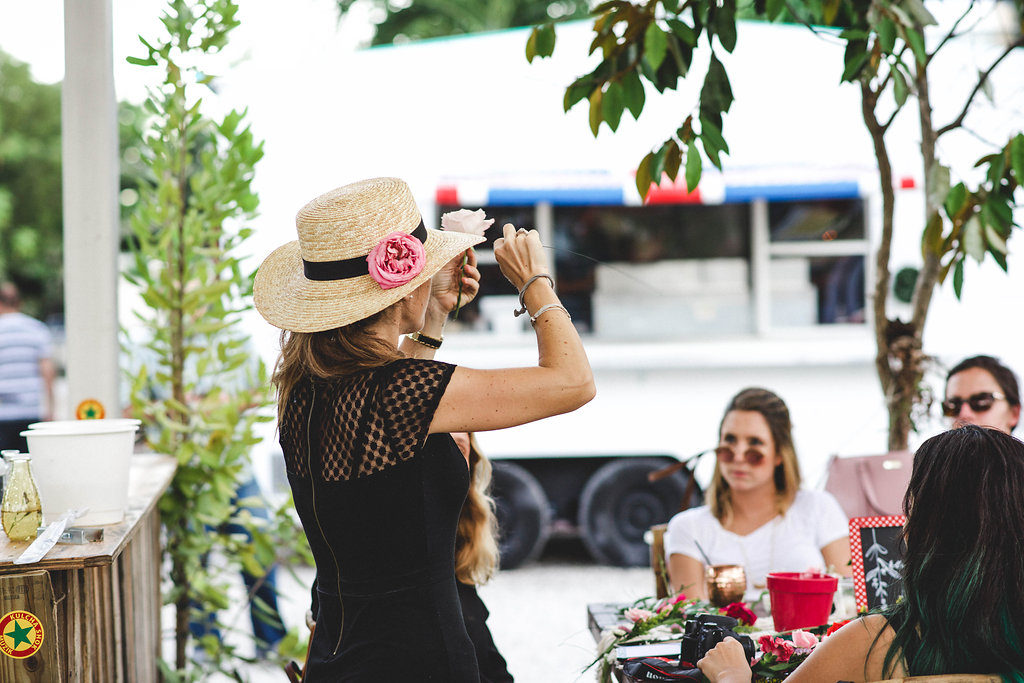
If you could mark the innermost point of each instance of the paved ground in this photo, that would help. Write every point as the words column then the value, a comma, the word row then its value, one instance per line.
column 538, row 612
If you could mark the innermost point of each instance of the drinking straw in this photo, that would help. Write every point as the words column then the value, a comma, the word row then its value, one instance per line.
column 702, row 553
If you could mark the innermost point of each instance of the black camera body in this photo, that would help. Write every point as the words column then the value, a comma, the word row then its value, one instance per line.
column 705, row 631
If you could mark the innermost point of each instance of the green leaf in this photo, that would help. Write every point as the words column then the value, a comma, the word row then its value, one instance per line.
column 918, row 12
column 931, row 238
column 958, row 278
column 683, row 31
column 693, row 167
column 655, row 45
column 955, row 200
column 900, row 90
column 916, row 43
column 595, row 111
column 829, row 10
column 725, row 25
column 1017, row 158
column 578, row 91
column 545, row 42
column 643, row 175
column 716, row 94
column 854, row 58
column 995, row 240
column 974, row 239
column 531, row 45
column 612, row 105
column 633, row 92
column 141, row 61
column 886, row 31
column 774, row 8
column 713, row 133
column 673, row 159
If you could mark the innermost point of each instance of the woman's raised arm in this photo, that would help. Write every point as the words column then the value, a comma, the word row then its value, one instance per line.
column 481, row 400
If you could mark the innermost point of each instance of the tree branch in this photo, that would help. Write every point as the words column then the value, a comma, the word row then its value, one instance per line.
column 959, row 120
column 952, row 31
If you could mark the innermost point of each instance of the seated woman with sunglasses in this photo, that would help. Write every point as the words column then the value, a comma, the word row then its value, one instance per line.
column 982, row 391
column 757, row 516
column 963, row 608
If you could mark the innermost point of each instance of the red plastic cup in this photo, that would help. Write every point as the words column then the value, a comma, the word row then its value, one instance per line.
column 800, row 599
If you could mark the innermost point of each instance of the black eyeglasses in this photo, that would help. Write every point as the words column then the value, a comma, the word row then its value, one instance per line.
column 727, row 455
column 979, row 402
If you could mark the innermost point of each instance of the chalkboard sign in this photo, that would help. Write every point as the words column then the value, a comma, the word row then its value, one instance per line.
column 877, row 555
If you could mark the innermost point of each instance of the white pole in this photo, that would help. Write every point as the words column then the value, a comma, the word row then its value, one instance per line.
column 91, row 183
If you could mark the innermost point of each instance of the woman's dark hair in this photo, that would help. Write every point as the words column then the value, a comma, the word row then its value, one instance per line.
column 1003, row 375
column 963, row 578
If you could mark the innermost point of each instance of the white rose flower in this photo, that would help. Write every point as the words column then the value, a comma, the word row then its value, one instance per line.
column 469, row 222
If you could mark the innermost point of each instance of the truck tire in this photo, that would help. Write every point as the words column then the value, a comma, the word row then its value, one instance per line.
column 524, row 516
column 619, row 504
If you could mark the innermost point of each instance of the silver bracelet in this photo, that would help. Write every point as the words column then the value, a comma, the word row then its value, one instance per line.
column 544, row 309
column 526, row 285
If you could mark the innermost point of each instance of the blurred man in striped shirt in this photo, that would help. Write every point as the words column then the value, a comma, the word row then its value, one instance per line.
column 26, row 370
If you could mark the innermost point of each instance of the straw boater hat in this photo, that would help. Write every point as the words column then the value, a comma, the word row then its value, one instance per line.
column 361, row 248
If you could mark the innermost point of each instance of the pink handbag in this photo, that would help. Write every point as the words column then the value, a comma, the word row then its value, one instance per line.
column 870, row 485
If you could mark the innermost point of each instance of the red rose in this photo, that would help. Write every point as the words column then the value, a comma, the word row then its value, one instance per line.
column 836, row 626
column 740, row 611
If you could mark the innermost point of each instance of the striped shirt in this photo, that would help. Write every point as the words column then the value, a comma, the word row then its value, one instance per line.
column 24, row 342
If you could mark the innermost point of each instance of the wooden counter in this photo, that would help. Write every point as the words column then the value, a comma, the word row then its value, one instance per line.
column 99, row 603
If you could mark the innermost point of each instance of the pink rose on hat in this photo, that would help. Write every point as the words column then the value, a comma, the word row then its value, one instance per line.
column 397, row 259
column 469, row 222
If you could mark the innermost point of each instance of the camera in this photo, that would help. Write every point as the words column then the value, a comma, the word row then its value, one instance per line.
column 705, row 631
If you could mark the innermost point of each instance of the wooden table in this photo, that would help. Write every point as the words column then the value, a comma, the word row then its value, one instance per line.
column 99, row 603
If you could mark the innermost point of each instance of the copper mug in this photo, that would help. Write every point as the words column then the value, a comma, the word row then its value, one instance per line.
column 726, row 583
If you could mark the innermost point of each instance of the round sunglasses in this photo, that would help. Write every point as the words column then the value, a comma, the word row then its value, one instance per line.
column 727, row 455
column 979, row 402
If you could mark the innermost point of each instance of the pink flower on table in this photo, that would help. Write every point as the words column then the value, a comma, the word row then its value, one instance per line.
column 740, row 611
column 679, row 598
column 397, row 259
column 804, row 639
column 780, row 647
column 636, row 614
column 469, row 222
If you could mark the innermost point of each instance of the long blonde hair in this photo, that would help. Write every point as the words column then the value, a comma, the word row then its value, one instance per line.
column 330, row 354
column 476, row 543
column 787, row 472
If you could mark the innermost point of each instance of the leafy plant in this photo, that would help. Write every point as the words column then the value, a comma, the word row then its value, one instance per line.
column 887, row 57
column 197, row 385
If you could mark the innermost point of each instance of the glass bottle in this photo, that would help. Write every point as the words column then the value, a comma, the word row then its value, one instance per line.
column 20, row 511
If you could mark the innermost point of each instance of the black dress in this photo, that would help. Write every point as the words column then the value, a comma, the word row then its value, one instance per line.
column 493, row 668
column 379, row 501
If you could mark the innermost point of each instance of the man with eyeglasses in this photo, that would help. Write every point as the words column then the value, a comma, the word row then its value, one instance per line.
column 982, row 391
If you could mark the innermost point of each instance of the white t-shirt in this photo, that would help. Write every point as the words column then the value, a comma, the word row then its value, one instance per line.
column 789, row 543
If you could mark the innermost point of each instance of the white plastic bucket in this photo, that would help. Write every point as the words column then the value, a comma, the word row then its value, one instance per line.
column 82, row 465
column 86, row 425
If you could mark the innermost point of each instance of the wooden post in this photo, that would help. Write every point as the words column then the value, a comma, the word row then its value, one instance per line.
column 30, row 592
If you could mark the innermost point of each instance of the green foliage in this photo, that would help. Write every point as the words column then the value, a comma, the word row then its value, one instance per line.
column 197, row 383
column 421, row 19
column 886, row 56
column 30, row 188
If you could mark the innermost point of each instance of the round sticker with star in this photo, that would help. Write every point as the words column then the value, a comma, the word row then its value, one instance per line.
column 21, row 634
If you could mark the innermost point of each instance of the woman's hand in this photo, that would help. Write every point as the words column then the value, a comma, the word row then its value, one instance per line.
column 444, row 286
column 726, row 663
column 520, row 255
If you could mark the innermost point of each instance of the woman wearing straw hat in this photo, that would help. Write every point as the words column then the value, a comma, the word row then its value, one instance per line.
column 378, row 482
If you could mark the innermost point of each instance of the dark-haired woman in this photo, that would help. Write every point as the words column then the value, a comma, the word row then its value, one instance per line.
column 378, row 482
column 757, row 515
column 963, row 576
